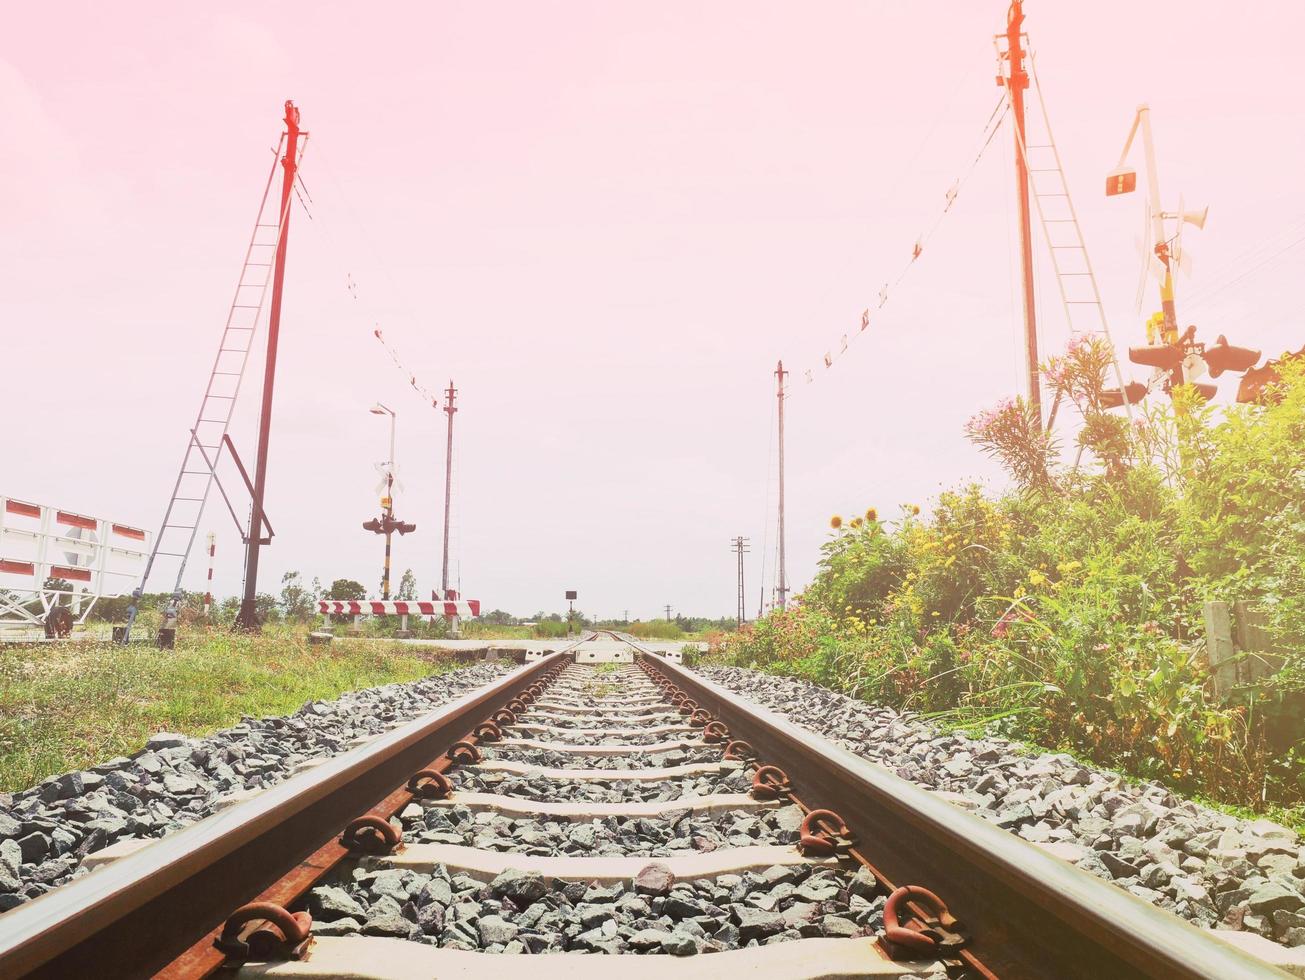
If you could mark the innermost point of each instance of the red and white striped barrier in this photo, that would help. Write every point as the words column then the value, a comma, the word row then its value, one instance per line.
column 51, row 557
column 398, row 607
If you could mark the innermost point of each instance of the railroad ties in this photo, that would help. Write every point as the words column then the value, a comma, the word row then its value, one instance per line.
column 606, row 814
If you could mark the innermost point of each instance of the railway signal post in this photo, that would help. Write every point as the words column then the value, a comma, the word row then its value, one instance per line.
column 386, row 524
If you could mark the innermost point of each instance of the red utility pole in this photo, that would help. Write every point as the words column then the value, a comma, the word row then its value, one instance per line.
column 450, row 409
column 1016, row 82
column 247, row 618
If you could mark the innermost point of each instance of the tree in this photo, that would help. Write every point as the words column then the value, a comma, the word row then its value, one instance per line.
column 407, row 586
column 265, row 607
column 346, row 590
column 296, row 601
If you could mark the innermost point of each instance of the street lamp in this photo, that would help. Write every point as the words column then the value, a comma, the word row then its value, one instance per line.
column 379, row 409
column 387, row 524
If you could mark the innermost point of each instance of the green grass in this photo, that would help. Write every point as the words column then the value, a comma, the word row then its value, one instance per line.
column 69, row 706
column 473, row 630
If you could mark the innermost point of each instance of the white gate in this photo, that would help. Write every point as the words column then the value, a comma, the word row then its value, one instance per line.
column 55, row 564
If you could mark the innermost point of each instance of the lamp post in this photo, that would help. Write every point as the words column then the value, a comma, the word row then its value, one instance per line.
column 387, row 502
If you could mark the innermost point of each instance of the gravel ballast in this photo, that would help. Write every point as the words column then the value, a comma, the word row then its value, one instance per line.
column 1211, row 868
column 678, row 832
column 523, row 912
column 547, row 759
column 471, row 779
column 47, row 830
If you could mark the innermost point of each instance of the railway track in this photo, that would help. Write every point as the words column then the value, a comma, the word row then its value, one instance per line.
column 606, row 800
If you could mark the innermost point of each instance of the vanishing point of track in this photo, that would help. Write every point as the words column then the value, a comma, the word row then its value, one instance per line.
column 937, row 890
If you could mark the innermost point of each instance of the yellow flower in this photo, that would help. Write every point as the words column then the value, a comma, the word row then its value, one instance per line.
column 836, row 522
column 1036, row 577
column 857, row 522
column 915, row 508
column 871, row 514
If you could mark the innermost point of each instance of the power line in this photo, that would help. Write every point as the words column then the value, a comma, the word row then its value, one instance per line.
column 1205, row 299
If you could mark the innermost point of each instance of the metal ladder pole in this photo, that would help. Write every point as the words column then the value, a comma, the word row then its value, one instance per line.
column 248, row 616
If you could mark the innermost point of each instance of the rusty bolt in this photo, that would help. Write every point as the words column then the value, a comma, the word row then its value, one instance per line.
column 278, row 934
column 715, row 731
column 770, row 783
column 370, row 835
column 739, row 751
column 464, row 753
column 428, row 784
column 820, row 833
column 940, row 929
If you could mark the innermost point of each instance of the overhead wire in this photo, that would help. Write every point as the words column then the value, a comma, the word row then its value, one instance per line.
column 1252, row 254
column 989, row 132
column 1202, row 300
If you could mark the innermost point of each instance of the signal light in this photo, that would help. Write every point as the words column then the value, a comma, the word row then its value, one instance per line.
column 1133, row 393
column 1222, row 356
column 1163, row 356
column 373, row 525
column 403, row 528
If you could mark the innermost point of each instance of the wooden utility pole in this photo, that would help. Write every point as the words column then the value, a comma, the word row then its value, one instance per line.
column 782, row 588
column 1016, row 82
column 247, row 618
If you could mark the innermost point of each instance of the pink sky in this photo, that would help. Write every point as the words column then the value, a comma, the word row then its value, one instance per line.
column 605, row 222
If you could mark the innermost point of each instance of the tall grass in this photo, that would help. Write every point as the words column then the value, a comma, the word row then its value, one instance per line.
column 68, row 706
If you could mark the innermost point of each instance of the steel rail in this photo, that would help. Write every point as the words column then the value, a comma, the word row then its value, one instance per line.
column 136, row 916
column 1028, row 914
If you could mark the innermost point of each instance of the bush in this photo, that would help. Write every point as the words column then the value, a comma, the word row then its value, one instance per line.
column 1068, row 611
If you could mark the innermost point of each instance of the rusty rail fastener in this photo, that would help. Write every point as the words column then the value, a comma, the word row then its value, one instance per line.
column 429, row 784
column 823, row 834
column 688, row 706
column 504, row 716
column 715, row 731
column 941, row 932
column 516, row 705
column 770, row 783
column 487, row 731
column 739, row 751
column 370, row 835
column 463, row 753
column 265, row 931
column 700, row 718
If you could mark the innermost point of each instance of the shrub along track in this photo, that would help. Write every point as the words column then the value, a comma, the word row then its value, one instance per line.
column 635, row 809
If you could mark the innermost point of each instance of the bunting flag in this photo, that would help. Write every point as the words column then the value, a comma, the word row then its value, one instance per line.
column 917, row 249
column 417, row 386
